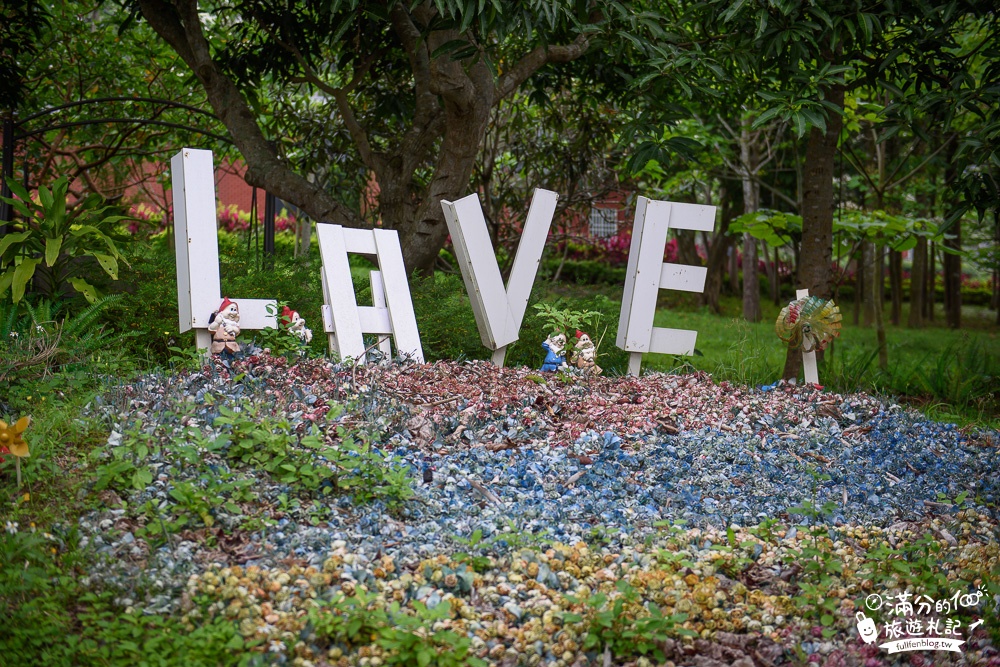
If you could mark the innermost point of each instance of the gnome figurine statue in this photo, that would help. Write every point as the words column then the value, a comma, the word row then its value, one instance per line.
column 555, row 355
column 295, row 324
column 585, row 354
column 225, row 327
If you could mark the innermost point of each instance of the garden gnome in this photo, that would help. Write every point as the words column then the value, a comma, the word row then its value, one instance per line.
column 555, row 358
column 585, row 354
column 295, row 324
column 225, row 327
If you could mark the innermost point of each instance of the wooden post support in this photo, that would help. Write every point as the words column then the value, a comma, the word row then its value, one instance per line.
column 196, row 246
column 808, row 358
column 499, row 312
column 647, row 274
column 344, row 321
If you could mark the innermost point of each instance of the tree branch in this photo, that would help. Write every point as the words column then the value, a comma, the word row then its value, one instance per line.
column 908, row 175
column 179, row 24
column 538, row 57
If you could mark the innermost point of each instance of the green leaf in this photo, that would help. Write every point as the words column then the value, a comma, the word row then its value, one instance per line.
column 733, row 11
column 45, row 196
column 761, row 24
column 800, row 124
column 84, row 288
column 815, row 119
column 22, row 274
column 10, row 239
column 765, row 117
column 52, row 247
column 18, row 190
column 235, row 643
column 108, row 263
column 6, row 279
column 141, row 478
column 867, row 27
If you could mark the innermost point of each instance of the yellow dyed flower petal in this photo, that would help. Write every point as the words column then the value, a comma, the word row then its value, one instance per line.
column 10, row 437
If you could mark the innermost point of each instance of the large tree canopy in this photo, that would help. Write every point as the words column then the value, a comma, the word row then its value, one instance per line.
column 413, row 85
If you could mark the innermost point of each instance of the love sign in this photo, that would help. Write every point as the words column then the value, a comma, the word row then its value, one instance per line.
column 499, row 310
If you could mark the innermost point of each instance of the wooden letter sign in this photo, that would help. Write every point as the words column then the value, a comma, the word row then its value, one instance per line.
column 392, row 313
column 498, row 311
column 647, row 274
column 196, row 245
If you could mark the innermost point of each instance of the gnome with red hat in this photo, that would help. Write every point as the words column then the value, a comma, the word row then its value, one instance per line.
column 585, row 354
column 225, row 327
column 294, row 323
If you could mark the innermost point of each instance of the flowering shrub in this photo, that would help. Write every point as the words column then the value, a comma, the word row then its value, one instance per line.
column 231, row 219
column 145, row 218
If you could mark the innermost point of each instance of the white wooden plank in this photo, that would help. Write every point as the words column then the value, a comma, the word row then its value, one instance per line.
column 528, row 258
column 397, row 294
column 374, row 320
column 181, row 245
column 808, row 358
column 683, row 277
column 346, row 337
column 378, row 301
column 360, row 242
column 196, row 238
column 253, row 314
column 649, row 264
column 696, row 217
column 327, row 318
column 202, row 339
column 634, row 363
column 672, row 341
column 630, row 272
column 327, row 310
column 477, row 261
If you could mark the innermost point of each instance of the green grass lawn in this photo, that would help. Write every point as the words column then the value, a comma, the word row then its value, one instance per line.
column 954, row 374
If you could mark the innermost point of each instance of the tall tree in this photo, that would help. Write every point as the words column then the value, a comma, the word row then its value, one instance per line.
column 414, row 84
column 802, row 57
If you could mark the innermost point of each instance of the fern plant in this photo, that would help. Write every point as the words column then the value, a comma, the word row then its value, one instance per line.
column 38, row 342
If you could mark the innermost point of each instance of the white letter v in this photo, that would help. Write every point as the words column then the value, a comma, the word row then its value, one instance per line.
column 498, row 312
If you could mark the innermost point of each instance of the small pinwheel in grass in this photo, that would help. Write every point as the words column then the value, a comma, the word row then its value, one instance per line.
column 809, row 323
column 11, row 441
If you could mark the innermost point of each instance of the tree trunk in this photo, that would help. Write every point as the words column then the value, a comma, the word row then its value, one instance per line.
column 996, row 271
column 717, row 255
column 880, row 253
column 179, row 24
column 869, row 269
column 878, row 294
column 896, row 285
column 451, row 101
column 687, row 250
column 817, row 216
column 734, row 267
column 918, row 278
column 751, row 202
column 859, row 288
column 953, row 277
column 931, row 283
column 751, row 281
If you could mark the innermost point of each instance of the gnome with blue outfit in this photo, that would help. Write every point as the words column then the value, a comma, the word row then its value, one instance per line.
column 555, row 356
